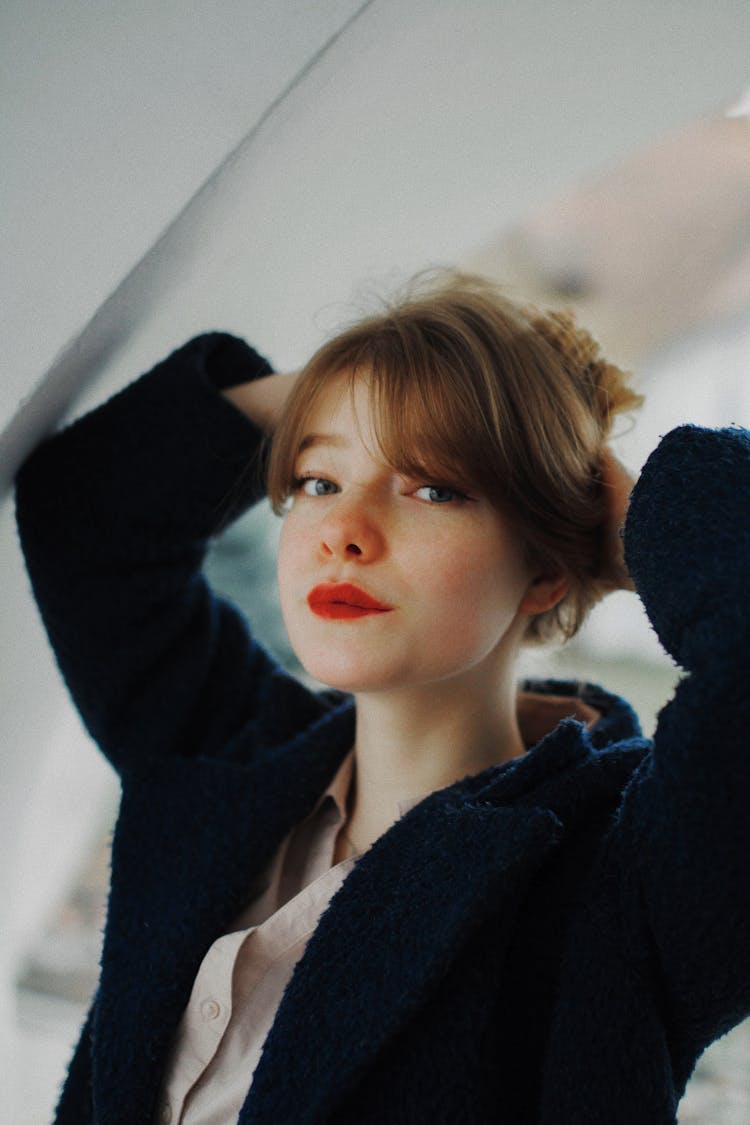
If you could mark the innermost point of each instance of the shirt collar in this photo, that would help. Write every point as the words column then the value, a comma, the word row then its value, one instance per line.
column 338, row 790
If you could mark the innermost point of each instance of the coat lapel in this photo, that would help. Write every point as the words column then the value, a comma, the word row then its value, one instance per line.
column 401, row 915
column 192, row 839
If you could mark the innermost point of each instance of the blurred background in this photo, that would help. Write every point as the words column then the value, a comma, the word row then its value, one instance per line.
column 268, row 167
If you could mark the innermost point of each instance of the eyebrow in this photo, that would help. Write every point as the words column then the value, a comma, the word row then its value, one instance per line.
column 310, row 440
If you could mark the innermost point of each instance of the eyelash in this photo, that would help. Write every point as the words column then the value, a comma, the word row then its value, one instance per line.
column 298, row 485
column 456, row 496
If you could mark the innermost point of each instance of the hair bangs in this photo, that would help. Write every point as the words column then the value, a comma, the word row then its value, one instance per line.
column 424, row 430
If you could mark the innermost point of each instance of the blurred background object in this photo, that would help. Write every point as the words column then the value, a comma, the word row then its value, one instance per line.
column 651, row 248
column 265, row 169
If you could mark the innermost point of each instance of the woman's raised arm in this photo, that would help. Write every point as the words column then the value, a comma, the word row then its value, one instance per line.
column 115, row 514
column 263, row 399
column 685, row 819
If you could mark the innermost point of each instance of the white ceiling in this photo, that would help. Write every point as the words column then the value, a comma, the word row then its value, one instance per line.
column 423, row 128
column 113, row 116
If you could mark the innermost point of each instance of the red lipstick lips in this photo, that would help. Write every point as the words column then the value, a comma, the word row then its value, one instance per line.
column 341, row 601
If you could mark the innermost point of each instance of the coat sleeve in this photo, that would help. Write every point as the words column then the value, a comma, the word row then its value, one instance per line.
column 687, row 814
column 115, row 514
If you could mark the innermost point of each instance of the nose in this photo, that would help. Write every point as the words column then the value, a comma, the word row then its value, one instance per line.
column 352, row 530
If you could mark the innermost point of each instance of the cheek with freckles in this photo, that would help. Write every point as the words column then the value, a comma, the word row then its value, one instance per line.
column 468, row 609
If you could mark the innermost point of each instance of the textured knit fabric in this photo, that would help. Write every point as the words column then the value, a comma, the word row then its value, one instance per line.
column 242, row 978
column 551, row 941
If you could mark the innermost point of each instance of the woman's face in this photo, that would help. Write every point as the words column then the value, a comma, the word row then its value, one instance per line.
column 387, row 582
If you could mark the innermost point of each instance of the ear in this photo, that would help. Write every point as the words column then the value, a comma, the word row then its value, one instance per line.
column 543, row 593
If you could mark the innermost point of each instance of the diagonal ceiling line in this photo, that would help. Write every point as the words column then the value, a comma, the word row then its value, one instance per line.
column 83, row 357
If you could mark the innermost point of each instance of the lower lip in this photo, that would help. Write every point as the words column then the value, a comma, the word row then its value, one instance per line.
column 341, row 611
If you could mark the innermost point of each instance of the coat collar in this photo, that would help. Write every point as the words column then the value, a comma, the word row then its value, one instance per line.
column 459, row 853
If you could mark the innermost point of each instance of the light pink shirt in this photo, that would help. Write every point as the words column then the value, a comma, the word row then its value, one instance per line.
column 242, row 978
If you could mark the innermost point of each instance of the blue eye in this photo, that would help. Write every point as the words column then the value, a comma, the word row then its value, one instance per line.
column 315, row 486
column 438, row 494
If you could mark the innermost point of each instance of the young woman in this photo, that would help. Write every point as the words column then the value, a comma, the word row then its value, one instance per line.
column 424, row 894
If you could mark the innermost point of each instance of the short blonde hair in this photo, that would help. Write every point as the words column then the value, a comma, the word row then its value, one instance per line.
column 472, row 390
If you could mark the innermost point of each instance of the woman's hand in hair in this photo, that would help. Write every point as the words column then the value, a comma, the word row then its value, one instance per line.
column 262, row 400
column 617, row 483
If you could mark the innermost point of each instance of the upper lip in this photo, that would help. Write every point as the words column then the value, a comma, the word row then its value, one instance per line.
column 343, row 593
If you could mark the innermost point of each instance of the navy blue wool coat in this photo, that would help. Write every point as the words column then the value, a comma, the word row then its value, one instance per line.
column 552, row 941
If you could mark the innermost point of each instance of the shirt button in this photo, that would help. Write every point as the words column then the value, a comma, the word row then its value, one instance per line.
column 210, row 1010
column 166, row 1114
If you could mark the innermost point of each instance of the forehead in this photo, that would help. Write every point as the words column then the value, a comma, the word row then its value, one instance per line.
column 341, row 412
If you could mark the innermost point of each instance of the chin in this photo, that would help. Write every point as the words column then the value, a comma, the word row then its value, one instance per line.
column 349, row 675
column 346, row 680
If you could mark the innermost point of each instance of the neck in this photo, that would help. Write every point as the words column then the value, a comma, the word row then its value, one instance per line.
column 413, row 741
